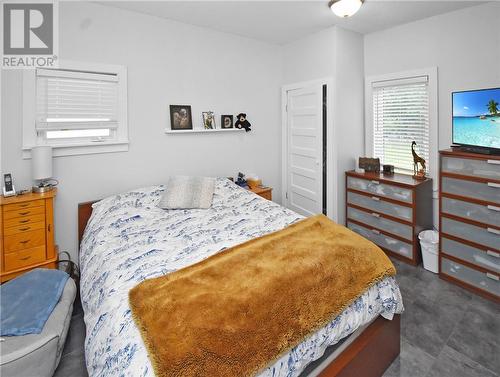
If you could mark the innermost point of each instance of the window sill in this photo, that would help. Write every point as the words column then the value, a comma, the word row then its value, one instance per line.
column 82, row 149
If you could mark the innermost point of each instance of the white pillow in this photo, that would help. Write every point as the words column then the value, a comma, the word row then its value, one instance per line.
column 188, row 193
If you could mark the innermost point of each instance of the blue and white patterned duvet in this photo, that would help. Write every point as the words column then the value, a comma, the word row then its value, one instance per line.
column 129, row 239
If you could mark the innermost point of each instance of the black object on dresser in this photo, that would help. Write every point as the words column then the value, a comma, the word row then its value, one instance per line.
column 390, row 211
column 469, row 221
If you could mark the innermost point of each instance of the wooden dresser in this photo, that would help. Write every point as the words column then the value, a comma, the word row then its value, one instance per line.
column 469, row 221
column 265, row 192
column 26, row 233
column 390, row 211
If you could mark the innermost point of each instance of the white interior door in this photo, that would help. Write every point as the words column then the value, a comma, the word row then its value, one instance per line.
column 304, row 153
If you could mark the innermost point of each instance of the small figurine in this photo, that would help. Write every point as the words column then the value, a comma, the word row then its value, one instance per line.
column 417, row 173
column 242, row 122
column 241, row 181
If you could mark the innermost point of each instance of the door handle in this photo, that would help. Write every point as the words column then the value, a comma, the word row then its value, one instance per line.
column 492, row 253
column 492, row 277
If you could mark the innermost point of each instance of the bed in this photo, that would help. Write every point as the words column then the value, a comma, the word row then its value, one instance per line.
column 126, row 239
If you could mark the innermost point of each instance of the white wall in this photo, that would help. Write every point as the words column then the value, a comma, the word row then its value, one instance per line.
column 337, row 54
column 464, row 45
column 348, row 108
column 310, row 58
column 167, row 63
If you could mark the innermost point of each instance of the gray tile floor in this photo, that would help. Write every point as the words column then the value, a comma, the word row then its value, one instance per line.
column 446, row 332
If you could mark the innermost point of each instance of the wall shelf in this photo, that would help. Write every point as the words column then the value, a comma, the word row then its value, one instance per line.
column 202, row 130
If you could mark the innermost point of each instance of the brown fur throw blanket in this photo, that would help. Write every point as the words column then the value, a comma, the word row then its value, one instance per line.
column 236, row 312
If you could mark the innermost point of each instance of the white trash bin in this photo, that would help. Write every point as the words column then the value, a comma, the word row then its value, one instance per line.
column 429, row 242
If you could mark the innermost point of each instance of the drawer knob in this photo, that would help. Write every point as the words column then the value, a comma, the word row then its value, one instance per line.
column 494, row 231
column 23, row 221
column 24, row 205
column 493, row 208
column 492, row 277
column 26, row 258
column 375, row 198
column 375, row 231
column 24, row 213
column 493, row 162
column 375, row 182
column 24, row 241
column 494, row 185
column 492, row 253
column 374, row 214
column 24, row 229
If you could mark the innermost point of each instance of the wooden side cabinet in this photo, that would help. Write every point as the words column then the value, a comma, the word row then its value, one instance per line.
column 26, row 233
column 390, row 211
column 265, row 192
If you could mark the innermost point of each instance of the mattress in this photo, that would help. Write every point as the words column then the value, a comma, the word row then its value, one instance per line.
column 129, row 239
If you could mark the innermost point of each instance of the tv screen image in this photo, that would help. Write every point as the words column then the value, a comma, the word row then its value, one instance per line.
column 476, row 118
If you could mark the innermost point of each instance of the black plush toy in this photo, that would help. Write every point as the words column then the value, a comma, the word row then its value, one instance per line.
column 242, row 122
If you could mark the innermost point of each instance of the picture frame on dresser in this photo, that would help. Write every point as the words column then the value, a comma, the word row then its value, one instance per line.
column 390, row 211
column 469, row 220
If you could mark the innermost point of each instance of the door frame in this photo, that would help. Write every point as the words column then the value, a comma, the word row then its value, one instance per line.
column 331, row 144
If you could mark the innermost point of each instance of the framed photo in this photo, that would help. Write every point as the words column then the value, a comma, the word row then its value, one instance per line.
column 180, row 117
column 208, row 120
column 226, row 121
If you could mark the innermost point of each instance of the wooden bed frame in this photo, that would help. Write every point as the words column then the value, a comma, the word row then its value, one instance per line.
column 368, row 355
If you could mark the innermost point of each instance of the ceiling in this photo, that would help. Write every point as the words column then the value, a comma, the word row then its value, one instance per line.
column 280, row 22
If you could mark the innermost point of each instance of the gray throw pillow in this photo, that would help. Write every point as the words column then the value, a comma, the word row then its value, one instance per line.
column 188, row 193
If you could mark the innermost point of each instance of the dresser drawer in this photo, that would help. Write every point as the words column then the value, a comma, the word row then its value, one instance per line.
column 484, row 214
column 396, row 246
column 24, row 258
column 25, row 212
column 471, row 167
column 25, row 240
column 486, row 259
column 489, row 192
column 485, row 282
column 24, row 228
column 379, row 205
column 24, row 205
column 373, row 219
column 487, row 237
column 17, row 221
column 382, row 189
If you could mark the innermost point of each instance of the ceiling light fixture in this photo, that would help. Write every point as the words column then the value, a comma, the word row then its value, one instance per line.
column 345, row 8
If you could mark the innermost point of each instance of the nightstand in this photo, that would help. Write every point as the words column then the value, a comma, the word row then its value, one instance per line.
column 26, row 233
column 265, row 192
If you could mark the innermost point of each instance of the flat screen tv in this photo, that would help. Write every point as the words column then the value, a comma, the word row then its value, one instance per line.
column 476, row 119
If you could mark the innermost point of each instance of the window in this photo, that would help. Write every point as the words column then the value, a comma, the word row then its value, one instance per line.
column 76, row 108
column 402, row 109
column 400, row 116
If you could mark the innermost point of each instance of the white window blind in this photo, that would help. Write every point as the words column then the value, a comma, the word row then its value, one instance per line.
column 400, row 116
column 76, row 104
